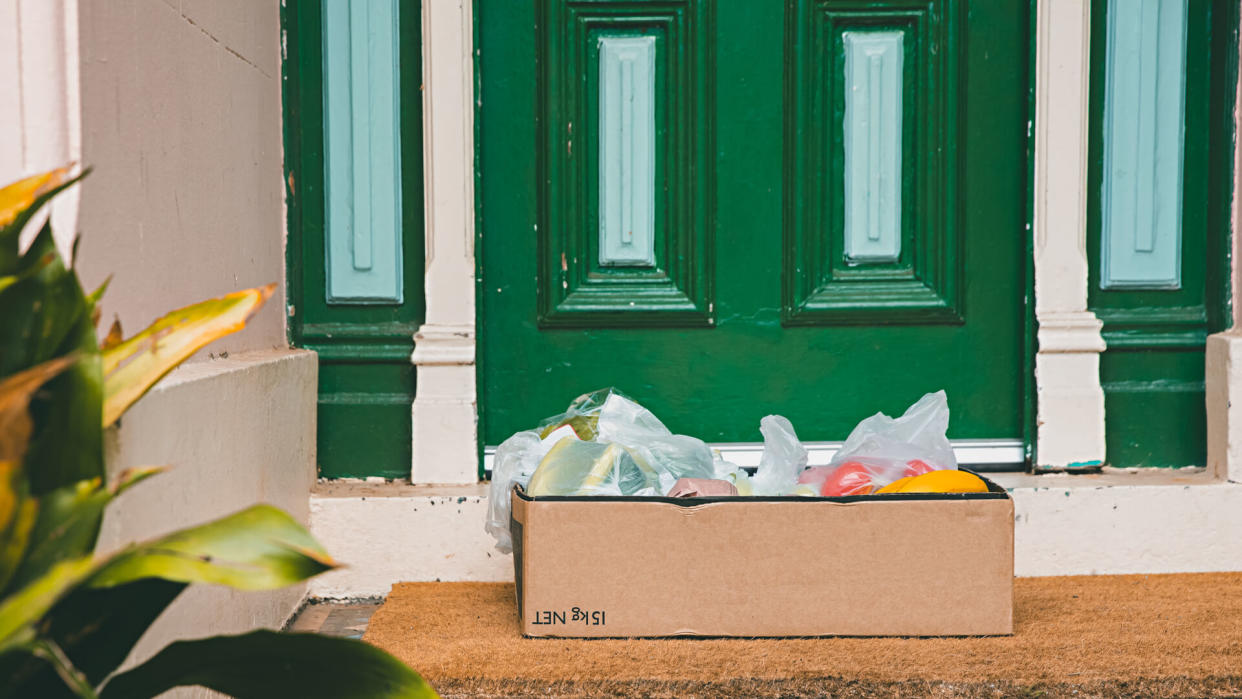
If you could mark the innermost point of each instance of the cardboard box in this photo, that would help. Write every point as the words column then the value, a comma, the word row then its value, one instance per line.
column 879, row 565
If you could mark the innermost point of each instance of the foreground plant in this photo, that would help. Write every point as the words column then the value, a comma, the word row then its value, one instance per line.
column 68, row 619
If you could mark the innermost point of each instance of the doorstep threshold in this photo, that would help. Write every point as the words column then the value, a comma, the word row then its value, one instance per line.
column 1108, row 477
column 982, row 454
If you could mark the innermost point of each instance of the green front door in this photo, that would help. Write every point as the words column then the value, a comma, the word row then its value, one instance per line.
column 735, row 208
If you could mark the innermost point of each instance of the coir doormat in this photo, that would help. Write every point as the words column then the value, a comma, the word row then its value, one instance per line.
column 1105, row 636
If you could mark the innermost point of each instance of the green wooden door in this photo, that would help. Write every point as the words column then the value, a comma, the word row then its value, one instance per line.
column 1163, row 86
column 353, row 148
column 729, row 209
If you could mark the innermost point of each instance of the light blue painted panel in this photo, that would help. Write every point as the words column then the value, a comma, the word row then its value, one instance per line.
column 1141, row 235
column 873, row 81
column 627, row 151
column 362, row 145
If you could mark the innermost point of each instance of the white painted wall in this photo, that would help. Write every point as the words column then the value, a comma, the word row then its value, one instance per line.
column 181, row 121
column 1154, row 521
column 234, row 432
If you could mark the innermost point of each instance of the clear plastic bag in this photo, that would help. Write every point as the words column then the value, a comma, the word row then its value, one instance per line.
column 603, row 444
column 882, row 449
column 783, row 458
column 652, row 445
column 577, row 467
column 515, row 462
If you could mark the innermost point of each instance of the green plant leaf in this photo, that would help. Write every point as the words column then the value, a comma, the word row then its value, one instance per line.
column 17, row 511
column 264, row 664
column 70, row 675
column 68, row 441
column 20, row 201
column 259, row 548
column 69, row 519
column 96, row 627
column 20, row 611
column 15, row 536
column 46, row 315
column 132, row 367
column 20, row 196
column 16, row 392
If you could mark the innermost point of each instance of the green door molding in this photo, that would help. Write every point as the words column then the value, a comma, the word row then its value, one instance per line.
column 751, row 306
column 362, row 329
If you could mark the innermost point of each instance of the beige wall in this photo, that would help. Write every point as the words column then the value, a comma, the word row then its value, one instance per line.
column 181, row 121
column 233, row 432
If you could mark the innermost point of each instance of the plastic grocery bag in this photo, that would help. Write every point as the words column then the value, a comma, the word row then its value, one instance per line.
column 653, row 446
column 783, row 457
column 882, row 449
column 603, row 444
column 515, row 462
column 577, row 467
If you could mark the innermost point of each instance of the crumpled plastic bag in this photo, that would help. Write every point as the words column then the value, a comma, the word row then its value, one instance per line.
column 783, row 457
column 515, row 462
column 782, row 460
column 882, row 449
column 603, row 444
column 652, row 445
column 577, row 467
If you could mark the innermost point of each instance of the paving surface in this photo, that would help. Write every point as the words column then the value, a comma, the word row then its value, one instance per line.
column 344, row 619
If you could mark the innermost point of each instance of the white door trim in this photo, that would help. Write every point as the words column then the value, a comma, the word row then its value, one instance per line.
column 41, row 117
column 1070, row 401
column 445, row 434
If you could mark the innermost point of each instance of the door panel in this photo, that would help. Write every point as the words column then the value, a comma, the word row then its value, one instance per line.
column 762, row 297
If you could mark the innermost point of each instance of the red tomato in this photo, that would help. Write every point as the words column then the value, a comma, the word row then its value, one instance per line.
column 917, row 467
column 850, row 478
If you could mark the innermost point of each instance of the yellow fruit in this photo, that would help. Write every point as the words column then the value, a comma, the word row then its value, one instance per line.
column 895, row 486
column 945, row 481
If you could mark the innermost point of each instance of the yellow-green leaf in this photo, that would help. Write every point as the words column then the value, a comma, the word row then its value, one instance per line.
column 259, row 548
column 15, row 537
column 16, row 391
column 19, row 196
column 22, row 609
column 132, row 367
column 69, row 519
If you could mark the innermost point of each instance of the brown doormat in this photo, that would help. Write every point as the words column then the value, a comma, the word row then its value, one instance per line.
column 1105, row 636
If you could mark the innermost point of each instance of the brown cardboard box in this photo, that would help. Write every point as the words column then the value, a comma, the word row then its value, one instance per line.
column 880, row 565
